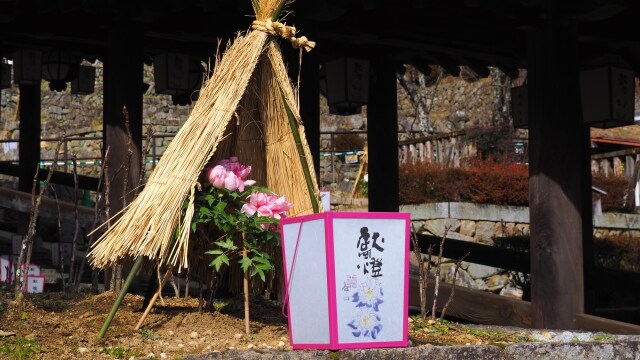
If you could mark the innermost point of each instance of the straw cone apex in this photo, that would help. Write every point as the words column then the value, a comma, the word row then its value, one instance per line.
column 149, row 225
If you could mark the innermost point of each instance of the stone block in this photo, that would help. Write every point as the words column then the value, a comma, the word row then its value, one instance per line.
column 509, row 229
column 522, row 229
column 485, row 231
column 486, row 212
column 427, row 211
column 438, row 226
column 478, row 271
column 468, row 228
column 617, row 221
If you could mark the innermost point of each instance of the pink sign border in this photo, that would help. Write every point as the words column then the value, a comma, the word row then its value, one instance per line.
column 330, row 258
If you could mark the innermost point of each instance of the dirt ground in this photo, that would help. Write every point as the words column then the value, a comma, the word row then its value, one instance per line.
column 65, row 326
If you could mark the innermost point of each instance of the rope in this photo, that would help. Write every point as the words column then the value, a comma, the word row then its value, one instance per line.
column 275, row 28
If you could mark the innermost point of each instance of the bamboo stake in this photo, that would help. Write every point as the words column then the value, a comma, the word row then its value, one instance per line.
column 154, row 298
column 132, row 274
column 303, row 159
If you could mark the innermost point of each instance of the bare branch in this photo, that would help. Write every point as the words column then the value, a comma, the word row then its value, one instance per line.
column 438, row 272
column 27, row 241
column 453, row 288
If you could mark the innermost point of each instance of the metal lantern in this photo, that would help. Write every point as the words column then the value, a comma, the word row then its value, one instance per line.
column 5, row 76
column 607, row 95
column 27, row 67
column 84, row 84
column 196, row 76
column 58, row 68
column 171, row 73
column 520, row 106
column 347, row 85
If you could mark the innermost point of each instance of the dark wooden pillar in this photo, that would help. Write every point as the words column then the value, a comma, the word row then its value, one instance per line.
column 382, row 137
column 29, row 146
column 310, row 104
column 123, row 71
column 558, row 173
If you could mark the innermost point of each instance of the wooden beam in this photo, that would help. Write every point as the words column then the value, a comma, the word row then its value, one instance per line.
column 611, row 154
column 58, row 177
column 558, row 151
column 477, row 306
column 595, row 323
column 382, row 137
column 488, row 308
column 24, row 198
column 478, row 253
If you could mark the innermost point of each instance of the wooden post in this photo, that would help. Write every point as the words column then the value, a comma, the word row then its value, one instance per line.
column 629, row 166
column 29, row 143
column 560, row 209
column 123, row 70
column 412, row 153
column 382, row 135
column 310, row 105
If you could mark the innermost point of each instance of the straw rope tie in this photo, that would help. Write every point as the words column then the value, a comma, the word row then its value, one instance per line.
column 275, row 28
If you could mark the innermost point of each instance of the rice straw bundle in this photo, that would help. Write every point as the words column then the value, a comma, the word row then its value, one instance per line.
column 241, row 110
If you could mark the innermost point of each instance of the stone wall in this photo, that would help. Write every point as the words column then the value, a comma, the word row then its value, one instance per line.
column 482, row 222
column 80, row 116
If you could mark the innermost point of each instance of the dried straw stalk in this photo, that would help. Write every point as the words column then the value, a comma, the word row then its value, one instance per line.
column 257, row 131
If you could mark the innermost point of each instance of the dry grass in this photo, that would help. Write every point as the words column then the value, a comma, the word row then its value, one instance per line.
column 240, row 110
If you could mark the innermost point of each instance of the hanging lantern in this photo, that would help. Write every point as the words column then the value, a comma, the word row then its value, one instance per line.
column 607, row 95
column 196, row 76
column 520, row 106
column 347, row 85
column 84, row 84
column 171, row 73
column 58, row 68
column 27, row 67
column 5, row 76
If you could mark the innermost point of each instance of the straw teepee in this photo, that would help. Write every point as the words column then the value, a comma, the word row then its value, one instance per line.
column 247, row 108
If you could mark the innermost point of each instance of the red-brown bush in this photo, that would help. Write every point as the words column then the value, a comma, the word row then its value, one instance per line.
column 480, row 182
column 489, row 182
column 620, row 193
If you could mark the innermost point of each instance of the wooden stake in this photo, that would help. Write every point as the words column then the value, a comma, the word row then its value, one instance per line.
column 245, row 288
column 153, row 299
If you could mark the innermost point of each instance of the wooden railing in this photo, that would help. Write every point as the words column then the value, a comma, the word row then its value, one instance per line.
column 446, row 149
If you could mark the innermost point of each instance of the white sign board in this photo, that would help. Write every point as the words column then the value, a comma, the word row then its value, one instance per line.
column 325, row 197
column 369, row 269
column 352, row 270
column 5, row 269
column 55, row 255
column 35, row 284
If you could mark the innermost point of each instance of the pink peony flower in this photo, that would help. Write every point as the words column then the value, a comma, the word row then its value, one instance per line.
column 216, row 175
column 234, row 166
column 229, row 174
column 266, row 205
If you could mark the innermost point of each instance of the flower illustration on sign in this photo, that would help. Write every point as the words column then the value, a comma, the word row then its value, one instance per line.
column 369, row 294
column 367, row 300
column 366, row 323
